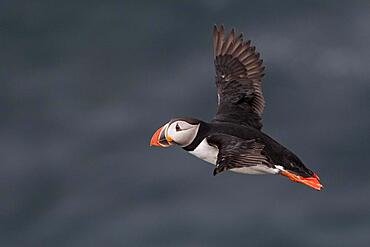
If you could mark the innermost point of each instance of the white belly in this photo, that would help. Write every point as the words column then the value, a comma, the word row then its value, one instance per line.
column 206, row 152
column 209, row 153
column 255, row 170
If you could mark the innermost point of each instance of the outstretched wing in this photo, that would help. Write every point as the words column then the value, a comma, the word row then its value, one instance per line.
column 234, row 152
column 239, row 72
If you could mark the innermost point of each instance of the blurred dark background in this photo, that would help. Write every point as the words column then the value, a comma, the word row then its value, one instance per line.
column 84, row 84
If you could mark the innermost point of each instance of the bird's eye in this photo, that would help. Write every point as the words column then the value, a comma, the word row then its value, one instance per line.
column 178, row 127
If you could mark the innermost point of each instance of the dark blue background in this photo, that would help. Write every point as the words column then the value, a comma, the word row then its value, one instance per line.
column 84, row 85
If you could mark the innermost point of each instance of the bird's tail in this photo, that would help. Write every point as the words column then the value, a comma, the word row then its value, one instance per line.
column 312, row 182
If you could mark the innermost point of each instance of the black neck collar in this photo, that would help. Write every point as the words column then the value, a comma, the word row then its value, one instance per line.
column 202, row 133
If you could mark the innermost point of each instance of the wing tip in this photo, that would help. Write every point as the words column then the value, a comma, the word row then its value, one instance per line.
column 215, row 29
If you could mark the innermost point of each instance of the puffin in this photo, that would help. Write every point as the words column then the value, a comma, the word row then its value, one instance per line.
column 233, row 140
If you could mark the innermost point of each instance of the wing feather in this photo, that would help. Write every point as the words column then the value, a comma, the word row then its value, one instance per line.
column 239, row 72
column 236, row 153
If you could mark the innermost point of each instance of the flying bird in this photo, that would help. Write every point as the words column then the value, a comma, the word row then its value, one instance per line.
column 233, row 140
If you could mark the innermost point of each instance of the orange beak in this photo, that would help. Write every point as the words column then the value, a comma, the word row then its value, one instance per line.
column 159, row 138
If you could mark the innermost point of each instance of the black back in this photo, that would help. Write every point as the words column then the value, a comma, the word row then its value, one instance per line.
column 275, row 153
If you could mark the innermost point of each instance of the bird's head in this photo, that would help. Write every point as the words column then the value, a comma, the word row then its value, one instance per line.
column 180, row 131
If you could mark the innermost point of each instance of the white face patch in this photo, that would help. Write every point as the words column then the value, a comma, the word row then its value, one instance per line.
column 182, row 132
